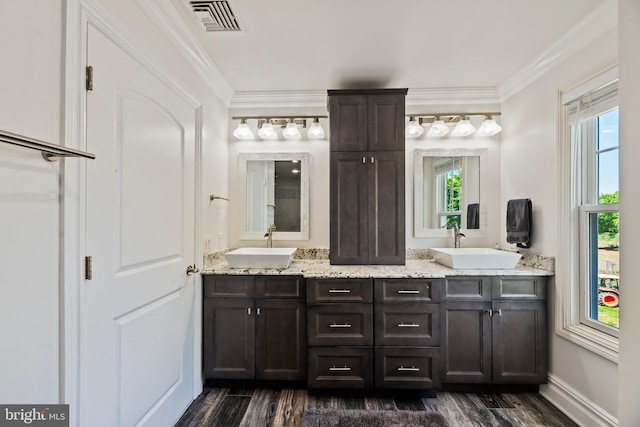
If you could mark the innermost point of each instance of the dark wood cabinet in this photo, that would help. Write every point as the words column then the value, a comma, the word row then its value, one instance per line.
column 367, row 120
column 262, row 338
column 367, row 177
column 495, row 330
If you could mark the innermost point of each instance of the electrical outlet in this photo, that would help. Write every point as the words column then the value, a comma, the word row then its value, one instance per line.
column 207, row 244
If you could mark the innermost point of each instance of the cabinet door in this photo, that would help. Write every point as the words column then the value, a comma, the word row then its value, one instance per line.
column 349, row 217
column 281, row 340
column 467, row 342
column 386, row 207
column 348, row 123
column 229, row 338
column 386, row 122
column 520, row 346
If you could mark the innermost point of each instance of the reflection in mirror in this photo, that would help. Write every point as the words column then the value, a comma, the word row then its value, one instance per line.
column 276, row 187
column 273, row 195
column 447, row 190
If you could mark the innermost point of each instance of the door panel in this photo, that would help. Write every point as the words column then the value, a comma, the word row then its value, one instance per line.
column 137, row 318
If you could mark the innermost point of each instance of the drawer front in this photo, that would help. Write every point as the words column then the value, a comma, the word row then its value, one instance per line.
column 281, row 287
column 339, row 290
column 467, row 288
column 340, row 324
column 407, row 368
column 400, row 290
column 514, row 287
column 228, row 286
column 407, row 324
column 340, row 367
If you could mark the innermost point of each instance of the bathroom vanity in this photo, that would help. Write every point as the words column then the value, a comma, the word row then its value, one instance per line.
column 421, row 326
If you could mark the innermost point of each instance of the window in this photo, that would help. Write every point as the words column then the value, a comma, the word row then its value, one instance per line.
column 449, row 193
column 589, row 264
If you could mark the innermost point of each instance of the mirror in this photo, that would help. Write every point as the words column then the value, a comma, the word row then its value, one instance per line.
column 276, row 191
column 447, row 190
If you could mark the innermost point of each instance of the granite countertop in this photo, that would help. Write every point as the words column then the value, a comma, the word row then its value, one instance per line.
column 420, row 268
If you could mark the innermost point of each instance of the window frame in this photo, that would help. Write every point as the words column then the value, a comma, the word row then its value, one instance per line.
column 572, row 222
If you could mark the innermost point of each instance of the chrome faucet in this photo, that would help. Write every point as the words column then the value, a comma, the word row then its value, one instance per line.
column 269, row 235
column 456, row 236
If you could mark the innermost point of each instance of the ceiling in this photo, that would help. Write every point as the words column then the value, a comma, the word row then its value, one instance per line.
column 314, row 45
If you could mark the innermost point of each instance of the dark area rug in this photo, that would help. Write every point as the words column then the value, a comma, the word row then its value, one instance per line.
column 364, row 418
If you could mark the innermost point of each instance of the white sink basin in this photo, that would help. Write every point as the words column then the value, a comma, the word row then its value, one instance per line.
column 475, row 258
column 260, row 257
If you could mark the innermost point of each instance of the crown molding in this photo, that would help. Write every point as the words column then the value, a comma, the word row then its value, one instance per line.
column 600, row 20
column 167, row 18
column 453, row 96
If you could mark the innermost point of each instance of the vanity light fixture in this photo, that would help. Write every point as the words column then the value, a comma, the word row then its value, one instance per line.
column 440, row 123
column 243, row 131
column 463, row 127
column 315, row 131
column 267, row 127
column 267, row 131
column 291, row 131
column 414, row 128
column 489, row 127
column 438, row 128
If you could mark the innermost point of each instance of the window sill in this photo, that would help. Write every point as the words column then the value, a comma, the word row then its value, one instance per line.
column 591, row 339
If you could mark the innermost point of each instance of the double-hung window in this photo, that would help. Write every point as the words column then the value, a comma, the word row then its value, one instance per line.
column 449, row 190
column 591, row 205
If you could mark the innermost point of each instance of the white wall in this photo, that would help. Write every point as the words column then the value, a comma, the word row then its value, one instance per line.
column 32, row 96
column 629, row 95
column 29, row 201
column 529, row 169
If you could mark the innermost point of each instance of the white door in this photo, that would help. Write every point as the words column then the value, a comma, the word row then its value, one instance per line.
column 137, row 349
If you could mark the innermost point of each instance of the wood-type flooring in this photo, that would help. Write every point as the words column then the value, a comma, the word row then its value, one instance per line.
column 228, row 407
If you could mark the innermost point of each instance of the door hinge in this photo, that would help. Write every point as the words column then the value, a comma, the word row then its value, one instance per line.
column 89, row 78
column 88, row 268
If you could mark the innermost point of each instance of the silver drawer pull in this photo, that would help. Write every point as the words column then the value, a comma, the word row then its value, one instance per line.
column 408, row 325
column 408, row 291
column 411, row 369
column 339, row 325
column 339, row 291
column 345, row 368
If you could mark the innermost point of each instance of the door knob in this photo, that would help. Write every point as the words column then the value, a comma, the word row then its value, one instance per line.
column 191, row 269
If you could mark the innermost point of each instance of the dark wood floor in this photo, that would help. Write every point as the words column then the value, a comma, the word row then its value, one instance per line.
column 226, row 407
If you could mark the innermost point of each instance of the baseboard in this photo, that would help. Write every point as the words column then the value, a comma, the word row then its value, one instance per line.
column 577, row 407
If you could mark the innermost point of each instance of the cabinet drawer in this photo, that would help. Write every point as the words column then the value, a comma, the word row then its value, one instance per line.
column 339, row 290
column 280, row 287
column 228, row 286
column 520, row 288
column 398, row 290
column 407, row 368
column 340, row 367
column 340, row 324
column 407, row 324
column 467, row 288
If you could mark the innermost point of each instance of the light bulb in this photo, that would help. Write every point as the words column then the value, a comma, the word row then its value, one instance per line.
column 489, row 127
column 438, row 129
column 413, row 128
column 291, row 131
column 315, row 131
column 243, row 131
column 463, row 128
column 267, row 131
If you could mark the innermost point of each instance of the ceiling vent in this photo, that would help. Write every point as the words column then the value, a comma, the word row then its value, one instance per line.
column 215, row 15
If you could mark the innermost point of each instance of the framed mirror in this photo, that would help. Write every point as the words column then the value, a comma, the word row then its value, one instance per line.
column 447, row 191
column 275, row 190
